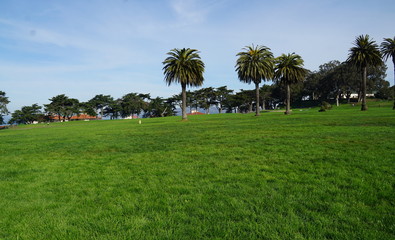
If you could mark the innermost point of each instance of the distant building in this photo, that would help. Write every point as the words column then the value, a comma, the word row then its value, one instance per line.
column 76, row 118
column 195, row 112
column 355, row 95
column 131, row 117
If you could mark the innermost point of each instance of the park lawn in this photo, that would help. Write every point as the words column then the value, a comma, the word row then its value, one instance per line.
column 310, row 175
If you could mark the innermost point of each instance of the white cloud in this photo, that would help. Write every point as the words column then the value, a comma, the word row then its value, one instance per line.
column 194, row 11
column 188, row 11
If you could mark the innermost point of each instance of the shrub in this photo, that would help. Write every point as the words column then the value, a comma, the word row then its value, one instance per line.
column 325, row 106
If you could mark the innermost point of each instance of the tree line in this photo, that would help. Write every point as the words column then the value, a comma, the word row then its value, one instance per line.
column 257, row 63
column 363, row 71
column 222, row 99
column 62, row 108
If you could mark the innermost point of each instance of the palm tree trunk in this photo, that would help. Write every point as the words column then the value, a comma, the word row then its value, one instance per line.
column 393, row 61
column 184, row 101
column 364, row 106
column 257, row 110
column 288, row 104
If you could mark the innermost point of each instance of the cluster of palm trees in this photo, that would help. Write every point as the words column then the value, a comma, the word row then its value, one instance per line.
column 254, row 64
column 257, row 63
column 366, row 53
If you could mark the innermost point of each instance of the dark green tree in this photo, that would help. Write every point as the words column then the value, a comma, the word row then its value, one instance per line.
column 133, row 104
column 376, row 78
column 205, row 98
column 221, row 96
column 384, row 92
column 171, row 103
column 329, row 80
column 289, row 70
column 27, row 115
column 57, row 106
column 311, row 86
column 159, row 107
column 248, row 98
column 192, row 100
column 184, row 66
column 350, row 80
column 364, row 54
column 253, row 65
column 88, row 109
column 267, row 99
column 175, row 100
column 100, row 102
column 3, row 106
column 113, row 109
column 71, row 108
column 388, row 51
column 240, row 102
column 63, row 107
column 232, row 103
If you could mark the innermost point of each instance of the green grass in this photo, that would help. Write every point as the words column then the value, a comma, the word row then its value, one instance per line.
column 310, row 175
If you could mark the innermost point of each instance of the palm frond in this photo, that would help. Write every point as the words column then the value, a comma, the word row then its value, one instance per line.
column 184, row 66
column 365, row 52
column 255, row 64
column 388, row 49
column 289, row 69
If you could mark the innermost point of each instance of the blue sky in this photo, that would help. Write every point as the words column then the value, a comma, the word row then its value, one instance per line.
column 83, row 48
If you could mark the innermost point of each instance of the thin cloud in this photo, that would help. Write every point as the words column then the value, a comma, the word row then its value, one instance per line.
column 194, row 11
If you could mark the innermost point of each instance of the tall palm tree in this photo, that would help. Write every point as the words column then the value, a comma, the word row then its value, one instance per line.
column 388, row 50
column 365, row 53
column 289, row 70
column 184, row 66
column 254, row 65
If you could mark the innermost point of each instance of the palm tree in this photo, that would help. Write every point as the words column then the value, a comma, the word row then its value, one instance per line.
column 388, row 50
column 184, row 66
column 254, row 65
column 289, row 70
column 365, row 53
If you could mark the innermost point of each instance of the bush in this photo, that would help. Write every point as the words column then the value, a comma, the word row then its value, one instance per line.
column 325, row 106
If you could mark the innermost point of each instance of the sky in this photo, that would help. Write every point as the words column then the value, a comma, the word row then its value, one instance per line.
column 114, row 47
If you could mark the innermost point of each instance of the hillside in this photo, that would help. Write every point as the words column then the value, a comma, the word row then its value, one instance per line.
column 310, row 175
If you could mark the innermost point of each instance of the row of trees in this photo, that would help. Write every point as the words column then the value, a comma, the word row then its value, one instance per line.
column 256, row 64
column 322, row 85
column 335, row 80
column 327, row 83
column 63, row 108
column 221, row 98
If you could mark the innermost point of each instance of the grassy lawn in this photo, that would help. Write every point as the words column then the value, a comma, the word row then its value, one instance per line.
column 310, row 175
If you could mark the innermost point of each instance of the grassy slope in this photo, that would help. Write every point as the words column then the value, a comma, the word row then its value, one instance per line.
column 231, row 176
